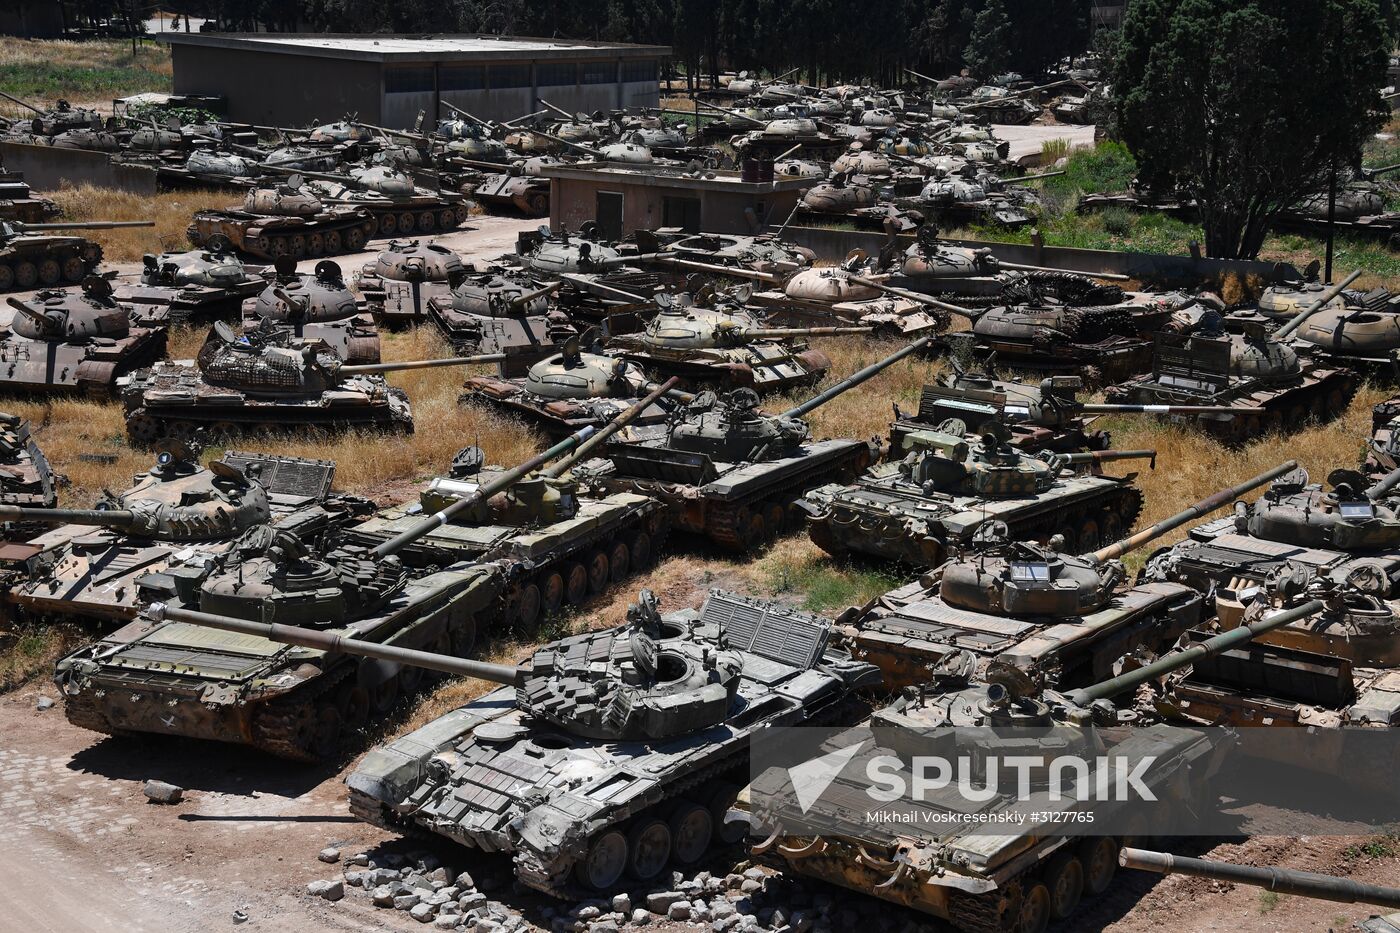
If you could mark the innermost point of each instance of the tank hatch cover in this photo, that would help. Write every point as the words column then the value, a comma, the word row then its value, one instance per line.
column 782, row 635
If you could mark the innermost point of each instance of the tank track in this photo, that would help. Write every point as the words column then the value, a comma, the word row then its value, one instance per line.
column 275, row 723
column 82, row 711
column 1124, row 500
column 978, row 913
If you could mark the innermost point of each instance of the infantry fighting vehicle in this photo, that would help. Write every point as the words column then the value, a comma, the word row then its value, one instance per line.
column 195, row 285
column 498, row 311
column 398, row 284
column 59, row 341
column 94, row 566
column 940, row 490
column 253, row 691
column 26, row 479
column 30, row 255
column 675, row 698
column 314, row 307
column 285, row 220
column 967, row 860
column 732, row 473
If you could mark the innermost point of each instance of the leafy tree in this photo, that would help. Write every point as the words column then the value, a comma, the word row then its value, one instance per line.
column 988, row 52
column 1247, row 105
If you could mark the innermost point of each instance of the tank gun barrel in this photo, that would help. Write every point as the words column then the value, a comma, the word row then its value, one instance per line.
column 1384, row 485
column 478, row 163
column 559, row 110
column 922, row 77
column 462, row 113
column 1091, row 408
column 769, row 277
column 482, row 493
column 108, row 518
column 1033, row 177
column 1174, row 660
column 525, row 298
column 856, row 378
column 324, row 176
column 778, row 333
column 922, row 299
column 600, row 288
column 1190, row 513
column 332, row 643
column 1383, row 170
column 787, row 152
column 23, row 103
column 572, row 145
column 1108, row 456
column 1015, row 94
column 83, row 225
column 422, row 364
column 1284, row 880
column 732, row 113
column 529, row 116
column 612, row 427
column 1316, row 306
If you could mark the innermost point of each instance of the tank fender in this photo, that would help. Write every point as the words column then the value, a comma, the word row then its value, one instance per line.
column 390, row 773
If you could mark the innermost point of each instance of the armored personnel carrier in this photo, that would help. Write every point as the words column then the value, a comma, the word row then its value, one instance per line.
column 59, row 341
column 26, row 479
column 731, row 473
column 94, row 566
column 399, row 283
column 30, row 255
column 941, row 490
column 290, row 702
column 498, row 311
column 285, row 220
column 195, row 285
column 316, row 307
column 973, row 863
column 675, row 697
column 398, row 206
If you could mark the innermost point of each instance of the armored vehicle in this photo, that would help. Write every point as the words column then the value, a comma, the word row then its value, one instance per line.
column 26, row 479
column 516, row 187
column 61, row 341
column 950, row 855
column 195, row 285
column 547, row 253
column 62, row 117
column 397, row 286
column 398, row 206
column 839, row 194
column 30, row 255
column 732, row 473
column 1383, row 449
column 496, row 312
column 18, row 203
column 286, row 220
column 1361, row 332
column 314, row 307
column 941, row 490
column 759, row 253
column 253, row 691
column 179, row 514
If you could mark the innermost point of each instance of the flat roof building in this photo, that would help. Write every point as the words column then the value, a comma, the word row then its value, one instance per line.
column 293, row 79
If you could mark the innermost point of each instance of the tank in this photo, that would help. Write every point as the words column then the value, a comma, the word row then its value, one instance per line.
column 315, row 307
column 1382, row 453
column 95, row 566
column 764, row 253
column 31, row 256
column 398, row 206
column 1285, row 880
column 252, row 691
column 397, row 286
column 731, row 473
column 62, row 117
column 65, row 341
column 935, row 492
column 193, row 286
column 18, row 203
column 265, row 384
column 551, row 254
column 26, row 479
column 499, row 311
column 1357, row 331
column 1208, row 366
column 840, row 194
column 516, row 188
column 979, row 881
column 285, row 220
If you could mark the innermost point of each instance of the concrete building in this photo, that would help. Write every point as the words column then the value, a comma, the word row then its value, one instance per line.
column 625, row 198
column 291, row 79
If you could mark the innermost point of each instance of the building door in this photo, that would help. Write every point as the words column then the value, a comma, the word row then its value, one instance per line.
column 681, row 212
column 609, row 214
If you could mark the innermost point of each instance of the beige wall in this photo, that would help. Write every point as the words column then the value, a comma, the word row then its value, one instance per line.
column 574, row 202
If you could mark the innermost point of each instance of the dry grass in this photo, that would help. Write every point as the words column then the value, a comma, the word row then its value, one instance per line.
column 29, row 654
column 87, row 73
column 171, row 211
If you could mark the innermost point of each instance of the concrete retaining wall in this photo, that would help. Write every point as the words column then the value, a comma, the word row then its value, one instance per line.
column 46, row 168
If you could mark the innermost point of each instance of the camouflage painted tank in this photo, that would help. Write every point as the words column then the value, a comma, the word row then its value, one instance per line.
column 399, row 283
column 62, row 341
column 195, row 285
column 316, row 307
column 498, row 311
column 941, row 490
column 173, row 520
column 286, row 220
column 729, row 472
column 398, row 206
column 26, row 479
column 31, row 256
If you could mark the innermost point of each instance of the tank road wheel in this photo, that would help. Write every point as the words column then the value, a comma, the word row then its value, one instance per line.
column 406, row 222
column 527, row 607
column 74, row 269
column 1099, row 856
column 427, row 222
column 775, row 514
column 277, row 246
column 1035, row 909
column 49, row 271
column 552, row 592
column 388, row 224
column 316, row 245
column 447, row 218
column 648, row 848
column 7, row 277
column 751, row 527
column 639, row 546
column 1110, row 528
column 352, row 702
column 599, row 572
column 539, row 205
column 1336, row 400
column 719, row 802
column 332, row 240
column 296, row 246
column 1090, row 538
column 463, row 635
column 384, row 696
column 1064, row 876
column 185, row 431
column 692, row 826
column 142, row 428
column 602, row 866
column 323, row 739
column 354, row 240
column 619, row 561
column 575, row 583
column 25, row 274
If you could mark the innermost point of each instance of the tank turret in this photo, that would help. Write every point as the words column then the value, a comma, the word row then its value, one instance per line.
column 683, row 325
column 211, row 268
column 59, row 316
column 559, row 253
column 415, row 261
column 575, row 373
column 319, row 306
column 1355, row 514
column 290, row 199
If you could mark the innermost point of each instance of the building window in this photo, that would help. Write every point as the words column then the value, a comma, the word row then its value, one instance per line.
column 462, row 77
column 598, row 72
column 636, row 71
column 408, row 80
column 504, row 76
column 557, row 75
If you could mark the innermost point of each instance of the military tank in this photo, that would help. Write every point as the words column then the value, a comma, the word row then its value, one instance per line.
column 398, row 206
column 402, row 279
column 59, row 341
column 191, row 286
column 554, row 254
column 60, row 118
column 285, row 220
column 30, row 255
column 174, row 519
column 266, row 383
column 314, row 307
column 254, row 692
column 18, row 203
column 972, row 862
column 941, row 490
column 498, row 311
column 1382, row 452
column 26, row 479
column 763, row 253
column 731, row 473
column 1360, row 332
